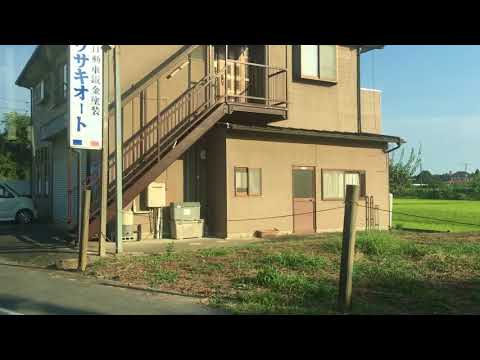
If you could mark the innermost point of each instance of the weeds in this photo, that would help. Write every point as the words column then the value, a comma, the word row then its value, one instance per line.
column 393, row 274
column 213, row 252
column 295, row 261
column 161, row 276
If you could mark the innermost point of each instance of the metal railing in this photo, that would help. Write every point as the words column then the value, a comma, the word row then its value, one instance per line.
column 372, row 219
column 254, row 84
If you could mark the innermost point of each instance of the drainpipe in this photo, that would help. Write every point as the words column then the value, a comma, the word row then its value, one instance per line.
column 359, row 105
column 393, row 149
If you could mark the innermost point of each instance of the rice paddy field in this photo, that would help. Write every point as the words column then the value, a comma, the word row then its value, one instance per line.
column 465, row 211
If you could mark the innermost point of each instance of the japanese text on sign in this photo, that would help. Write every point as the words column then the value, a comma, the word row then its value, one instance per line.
column 86, row 96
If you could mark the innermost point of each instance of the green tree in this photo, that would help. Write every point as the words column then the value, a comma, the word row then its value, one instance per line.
column 15, row 146
column 402, row 171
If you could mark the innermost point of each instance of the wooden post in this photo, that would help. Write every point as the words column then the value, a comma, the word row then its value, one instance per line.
column 348, row 248
column 82, row 259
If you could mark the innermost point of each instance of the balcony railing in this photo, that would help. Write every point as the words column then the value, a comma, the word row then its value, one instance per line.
column 251, row 83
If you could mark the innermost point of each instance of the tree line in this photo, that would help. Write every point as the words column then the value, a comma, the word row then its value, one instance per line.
column 407, row 180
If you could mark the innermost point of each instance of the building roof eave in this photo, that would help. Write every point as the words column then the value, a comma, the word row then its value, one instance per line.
column 21, row 81
column 331, row 135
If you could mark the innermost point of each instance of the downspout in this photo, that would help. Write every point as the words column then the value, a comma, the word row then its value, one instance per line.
column 393, row 149
column 359, row 105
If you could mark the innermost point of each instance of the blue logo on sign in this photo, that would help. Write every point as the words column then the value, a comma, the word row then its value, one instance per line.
column 77, row 142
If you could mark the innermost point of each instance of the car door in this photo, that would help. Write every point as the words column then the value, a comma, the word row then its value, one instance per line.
column 7, row 204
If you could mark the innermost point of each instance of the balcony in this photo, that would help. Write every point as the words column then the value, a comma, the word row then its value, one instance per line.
column 252, row 92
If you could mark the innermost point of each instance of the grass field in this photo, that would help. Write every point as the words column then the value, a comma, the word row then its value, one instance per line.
column 456, row 210
column 395, row 272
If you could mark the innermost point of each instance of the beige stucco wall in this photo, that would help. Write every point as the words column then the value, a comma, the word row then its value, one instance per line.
column 371, row 106
column 276, row 159
column 320, row 106
column 173, row 179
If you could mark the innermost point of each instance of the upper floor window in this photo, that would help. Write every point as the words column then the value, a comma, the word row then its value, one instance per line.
column 318, row 62
column 61, row 84
column 39, row 92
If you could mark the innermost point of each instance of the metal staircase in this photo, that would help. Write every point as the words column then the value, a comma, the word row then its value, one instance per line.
column 163, row 139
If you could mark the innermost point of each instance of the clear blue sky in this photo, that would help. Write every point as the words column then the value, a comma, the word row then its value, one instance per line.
column 430, row 97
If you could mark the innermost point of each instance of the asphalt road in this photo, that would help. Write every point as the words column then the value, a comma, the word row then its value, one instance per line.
column 33, row 291
column 28, row 288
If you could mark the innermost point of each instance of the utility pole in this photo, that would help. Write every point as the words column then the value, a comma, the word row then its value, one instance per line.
column 118, row 152
column 105, row 148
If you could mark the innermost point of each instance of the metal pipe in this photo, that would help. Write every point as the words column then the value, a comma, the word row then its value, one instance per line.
column 393, row 149
column 118, row 152
column 359, row 99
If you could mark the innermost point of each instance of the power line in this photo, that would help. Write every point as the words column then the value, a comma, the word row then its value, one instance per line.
column 289, row 215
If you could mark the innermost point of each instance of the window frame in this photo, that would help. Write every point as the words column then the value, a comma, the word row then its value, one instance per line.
column 247, row 192
column 237, row 193
column 363, row 184
column 319, row 79
column 40, row 87
column 248, row 182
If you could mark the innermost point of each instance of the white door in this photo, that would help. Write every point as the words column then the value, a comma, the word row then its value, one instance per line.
column 7, row 204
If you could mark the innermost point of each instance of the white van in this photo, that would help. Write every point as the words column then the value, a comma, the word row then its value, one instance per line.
column 15, row 207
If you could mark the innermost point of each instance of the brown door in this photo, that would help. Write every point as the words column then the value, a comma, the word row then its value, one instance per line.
column 304, row 200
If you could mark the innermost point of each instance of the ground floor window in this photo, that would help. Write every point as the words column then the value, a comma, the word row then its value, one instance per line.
column 334, row 183
column 248, row 181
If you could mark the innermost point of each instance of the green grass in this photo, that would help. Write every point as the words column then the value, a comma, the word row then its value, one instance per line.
column 455, row 210
column 394, row 273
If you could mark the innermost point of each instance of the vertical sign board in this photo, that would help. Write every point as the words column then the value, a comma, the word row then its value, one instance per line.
column 86, row 88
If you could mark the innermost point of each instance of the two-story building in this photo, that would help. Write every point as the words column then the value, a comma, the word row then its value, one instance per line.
column 263, row 136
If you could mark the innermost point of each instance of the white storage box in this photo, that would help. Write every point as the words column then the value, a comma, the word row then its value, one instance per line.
column 186, row 229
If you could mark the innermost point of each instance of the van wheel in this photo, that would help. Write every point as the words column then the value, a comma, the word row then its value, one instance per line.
column 24, row 217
